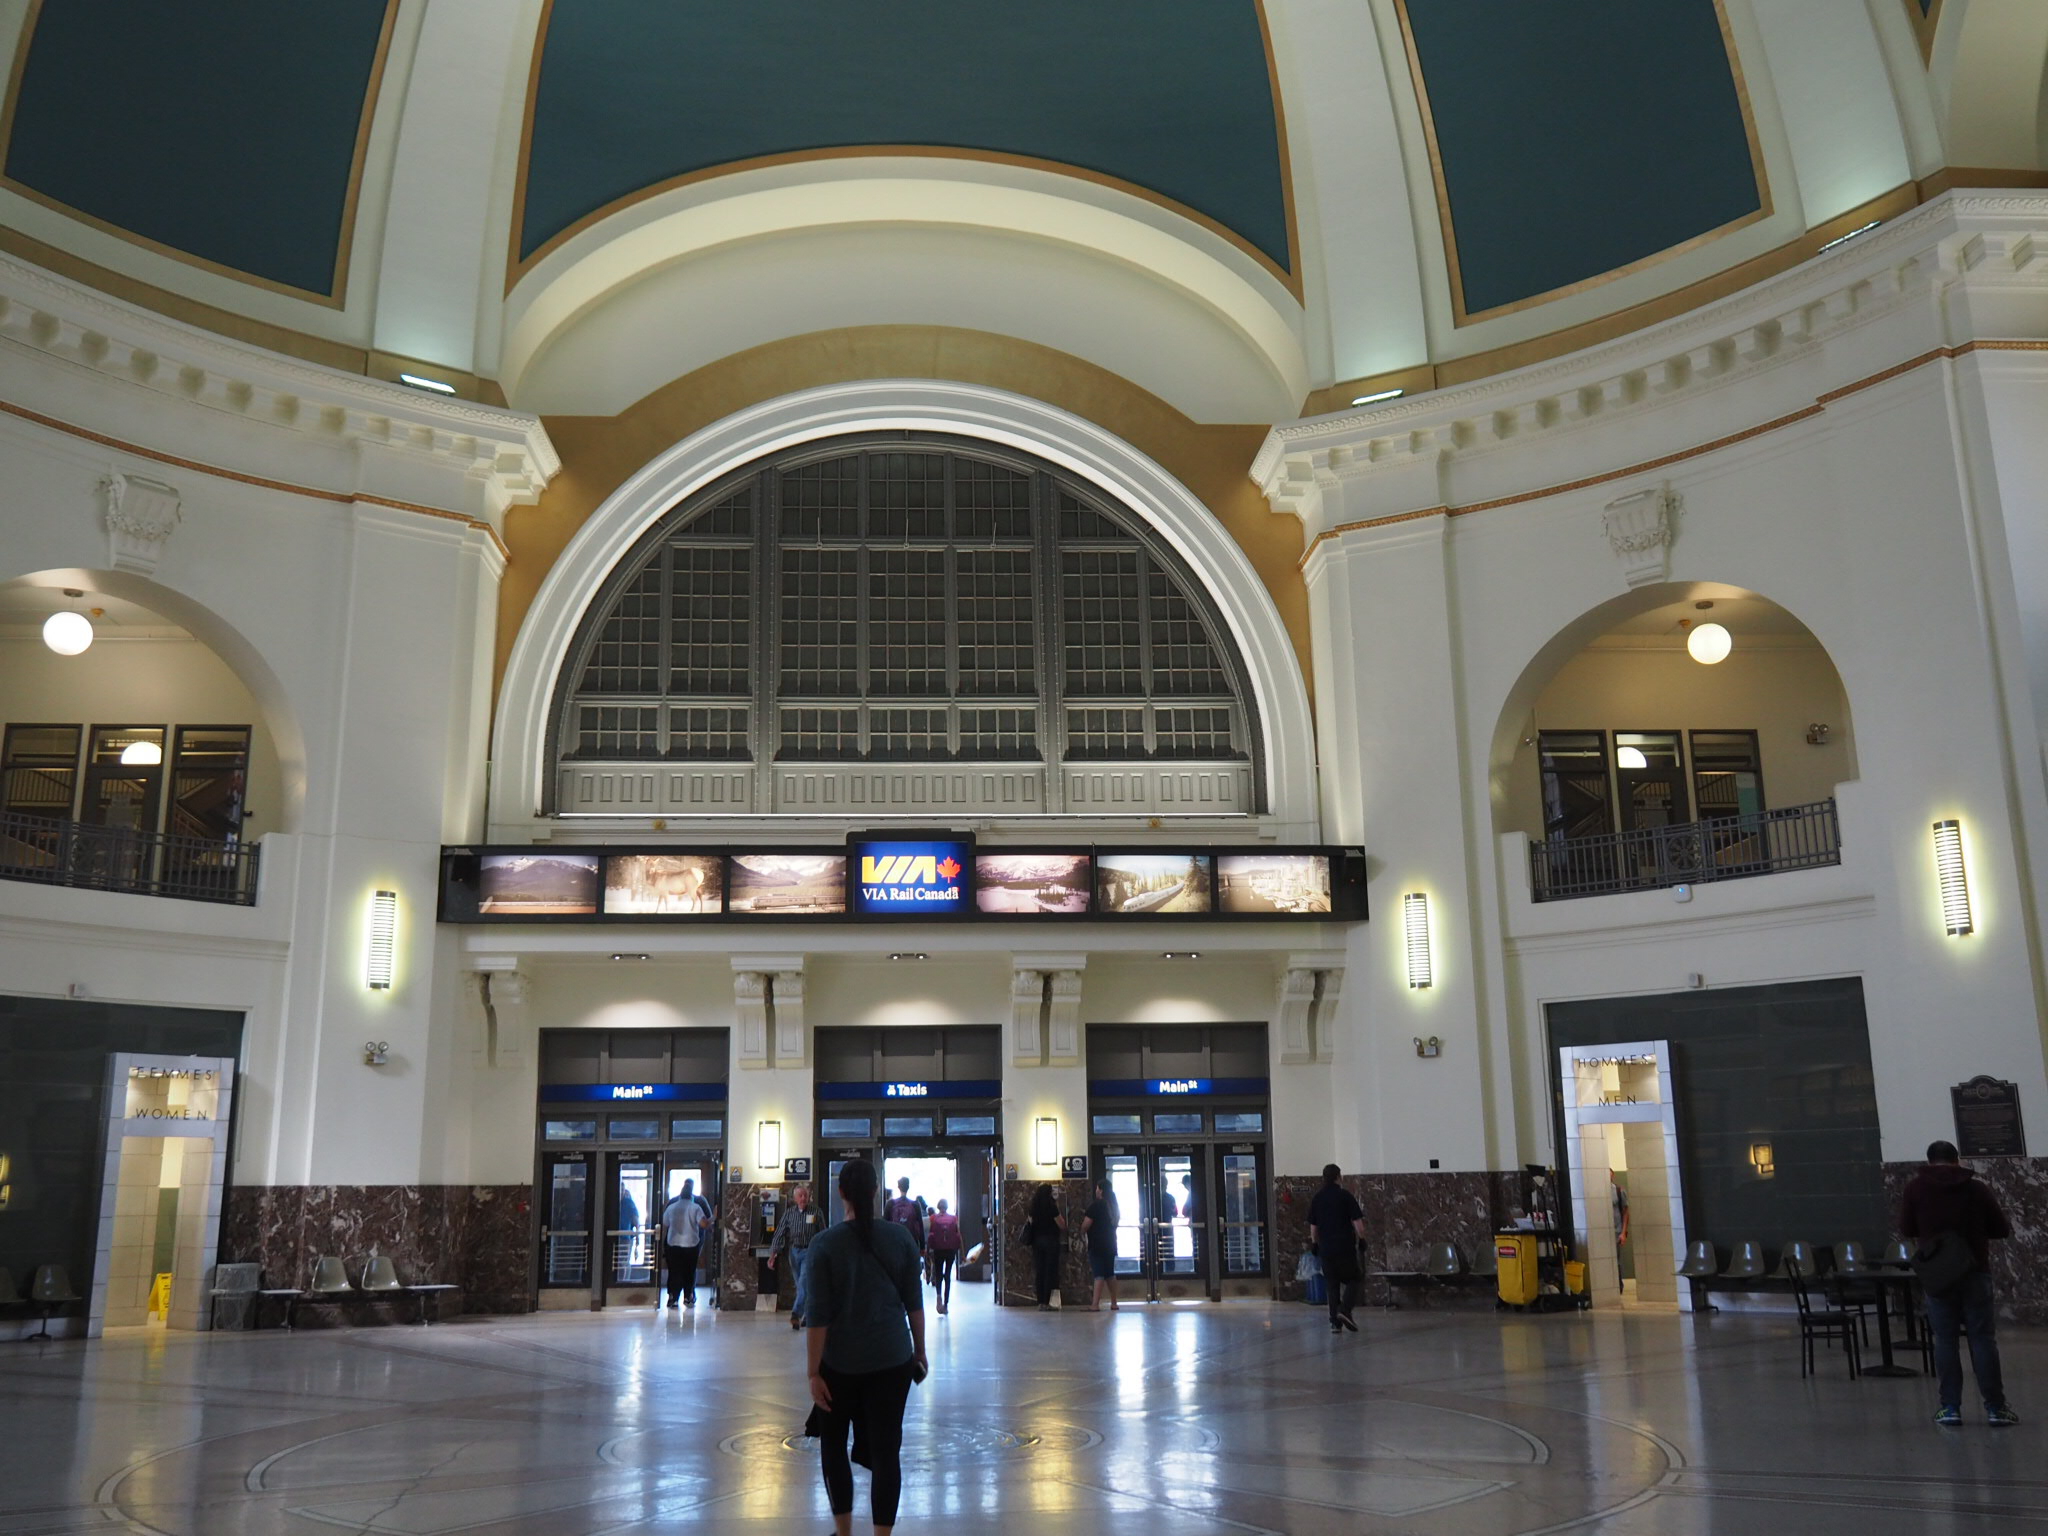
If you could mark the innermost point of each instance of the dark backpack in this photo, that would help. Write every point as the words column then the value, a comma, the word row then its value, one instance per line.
column 1943, row 1262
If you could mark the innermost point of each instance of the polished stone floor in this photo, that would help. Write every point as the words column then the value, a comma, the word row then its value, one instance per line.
column 1180, row 1421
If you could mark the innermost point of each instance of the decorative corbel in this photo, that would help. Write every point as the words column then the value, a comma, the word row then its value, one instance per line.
column 504, row 991
column 1640, row 528
column 1063, row 1018
column 750, row 1002
column 792, row 1044
column 1297, row 1002
column 140, row 515
column 1331, row 994
column 1027, row 1008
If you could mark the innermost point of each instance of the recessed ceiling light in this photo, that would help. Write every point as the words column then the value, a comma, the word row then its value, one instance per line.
column 629, row 957
column 910, row 954
column 1863, row 230
column 1180, row 954
column 419, row 382
column 1385, row 394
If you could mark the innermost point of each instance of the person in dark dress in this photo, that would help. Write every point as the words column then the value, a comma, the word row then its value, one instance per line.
column 1048, row 1227
column 1098, row 1227
column 1337, row 1225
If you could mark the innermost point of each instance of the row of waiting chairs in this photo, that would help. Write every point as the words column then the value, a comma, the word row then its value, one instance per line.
column 48, row 1289
column 1441, row 1264
column 1746, row 1261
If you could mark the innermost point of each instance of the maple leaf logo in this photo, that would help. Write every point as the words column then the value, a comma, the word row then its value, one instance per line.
column 950, row 868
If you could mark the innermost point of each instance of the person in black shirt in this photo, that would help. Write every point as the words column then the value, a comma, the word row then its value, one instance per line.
column 1338, row 1225
column 1047, row 1228
column 1098, row 1226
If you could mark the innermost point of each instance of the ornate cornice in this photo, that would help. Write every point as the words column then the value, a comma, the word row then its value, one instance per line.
column 1994, row 241
column 505, row 453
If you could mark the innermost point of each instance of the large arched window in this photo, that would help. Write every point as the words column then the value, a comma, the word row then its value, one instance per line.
column 902, row 626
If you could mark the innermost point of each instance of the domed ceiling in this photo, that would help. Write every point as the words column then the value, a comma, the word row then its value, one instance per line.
column 1415, row 181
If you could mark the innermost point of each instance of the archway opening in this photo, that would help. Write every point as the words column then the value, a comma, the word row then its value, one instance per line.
column 1623, row 724
column 156, row 726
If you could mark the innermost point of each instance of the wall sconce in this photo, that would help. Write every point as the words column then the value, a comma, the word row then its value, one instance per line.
column 1430, row 1047
column 1415, row 928
column 381, row 958
column 768, row 1144
column 376, row 1053
column 1045, row 1142
column 1760, row 1159
column 1817, row 734
column 1955, row 883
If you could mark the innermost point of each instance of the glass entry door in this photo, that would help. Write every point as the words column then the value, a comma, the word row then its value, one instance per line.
column 1241, row 1210
column 565, row 1221
column 1163, row 1237
column 631, row 1248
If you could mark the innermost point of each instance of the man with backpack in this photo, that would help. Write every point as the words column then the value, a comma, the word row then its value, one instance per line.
column 684, row 1221
column 1953, row 1220
column 908, row 1214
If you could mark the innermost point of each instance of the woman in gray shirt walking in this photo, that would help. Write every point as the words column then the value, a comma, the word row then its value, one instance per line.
column 865, row 1307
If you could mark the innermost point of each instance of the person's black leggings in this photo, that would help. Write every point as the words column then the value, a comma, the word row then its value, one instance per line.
column 873, row 1401
column 942, row 1275
column 1045, row 1262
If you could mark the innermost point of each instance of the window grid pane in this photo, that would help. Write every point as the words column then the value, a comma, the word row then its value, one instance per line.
column 822, row 501
column 907, row 621
column 905, row 624
column 607, row 731
column 710, row 621
column 998, row 636
column 1183, row 661
column 907, row 496
column 819, row 735
column 709, row 733
column 907, row 735
column 1096, row 734
column 1101, row 606
column 627, row 656
column 821, row 622
column 990, row 502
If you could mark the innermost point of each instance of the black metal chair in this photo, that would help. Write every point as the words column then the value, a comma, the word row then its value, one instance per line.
column 1829, row 1324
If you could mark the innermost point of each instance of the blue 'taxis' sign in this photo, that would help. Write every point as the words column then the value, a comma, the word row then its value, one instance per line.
column 989, row 1088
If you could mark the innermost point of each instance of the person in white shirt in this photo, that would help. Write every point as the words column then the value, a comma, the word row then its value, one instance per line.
column 684, row 1222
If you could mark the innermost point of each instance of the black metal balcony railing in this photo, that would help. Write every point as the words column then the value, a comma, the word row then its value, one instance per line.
column 1653, row 858
column 53, row 852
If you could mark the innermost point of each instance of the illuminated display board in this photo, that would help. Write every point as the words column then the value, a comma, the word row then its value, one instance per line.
column 920, row 876
column 909, row 876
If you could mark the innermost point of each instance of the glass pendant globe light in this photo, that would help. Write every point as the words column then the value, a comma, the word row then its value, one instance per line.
column 1709, row 643
column 67, row 632
column 142, row 754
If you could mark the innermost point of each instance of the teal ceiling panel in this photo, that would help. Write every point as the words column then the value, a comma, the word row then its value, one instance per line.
column 1575, row 141
column 226, row 132
column 1172, row 96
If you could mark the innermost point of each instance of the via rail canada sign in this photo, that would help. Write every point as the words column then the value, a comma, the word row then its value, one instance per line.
column 922, row 877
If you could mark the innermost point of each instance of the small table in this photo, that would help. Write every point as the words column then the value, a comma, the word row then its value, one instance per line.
column 1881, row 1281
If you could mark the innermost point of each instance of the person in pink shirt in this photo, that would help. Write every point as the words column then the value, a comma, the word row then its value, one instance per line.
column 942, row 1249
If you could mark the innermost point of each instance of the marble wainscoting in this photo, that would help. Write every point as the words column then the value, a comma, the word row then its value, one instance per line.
column 737, row 1284
column 479, row 1237
column 2019, row 1266
column 1404, row 1214
column 1019, row 1283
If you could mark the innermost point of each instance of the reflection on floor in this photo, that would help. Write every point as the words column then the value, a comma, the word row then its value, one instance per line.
column 1181, row 1421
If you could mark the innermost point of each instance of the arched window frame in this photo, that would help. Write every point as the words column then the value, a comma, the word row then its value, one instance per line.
column 1075, row 765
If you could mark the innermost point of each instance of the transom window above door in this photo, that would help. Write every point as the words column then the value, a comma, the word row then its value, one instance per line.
column 881, row 627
